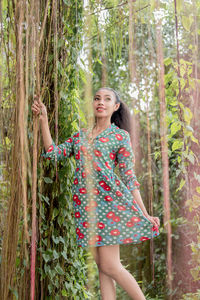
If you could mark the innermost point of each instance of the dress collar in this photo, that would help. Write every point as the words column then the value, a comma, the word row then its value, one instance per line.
column 106, row 131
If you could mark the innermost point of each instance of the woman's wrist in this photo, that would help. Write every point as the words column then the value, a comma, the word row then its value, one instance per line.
column 44, row 120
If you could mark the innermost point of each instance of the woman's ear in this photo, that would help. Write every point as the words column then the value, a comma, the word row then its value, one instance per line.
column 117, row 106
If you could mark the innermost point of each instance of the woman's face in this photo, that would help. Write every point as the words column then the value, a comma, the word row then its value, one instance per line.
column 104, row 103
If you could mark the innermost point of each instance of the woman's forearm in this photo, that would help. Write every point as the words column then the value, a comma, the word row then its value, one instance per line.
column 138, row 199
column 46, row 135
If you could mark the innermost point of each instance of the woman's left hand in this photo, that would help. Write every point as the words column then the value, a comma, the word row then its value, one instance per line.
column 154, row 220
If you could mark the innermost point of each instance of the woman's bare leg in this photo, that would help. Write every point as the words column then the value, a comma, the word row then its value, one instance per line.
column 107, row 284
column 109, row 264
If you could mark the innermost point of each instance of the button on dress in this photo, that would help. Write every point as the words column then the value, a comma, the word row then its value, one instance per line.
column 105, row 210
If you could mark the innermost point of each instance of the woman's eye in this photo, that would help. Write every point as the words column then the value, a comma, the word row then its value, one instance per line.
column 96, row 98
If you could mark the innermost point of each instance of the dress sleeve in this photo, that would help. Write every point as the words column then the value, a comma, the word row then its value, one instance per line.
column 59, row 152
column 126, row 160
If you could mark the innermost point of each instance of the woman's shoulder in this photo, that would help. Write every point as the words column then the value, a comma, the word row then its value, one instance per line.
column 120, row 131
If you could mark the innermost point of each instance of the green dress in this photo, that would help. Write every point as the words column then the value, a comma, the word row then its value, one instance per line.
column 105, row 210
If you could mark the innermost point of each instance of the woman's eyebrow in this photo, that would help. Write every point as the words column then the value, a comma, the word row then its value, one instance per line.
column 105, row 95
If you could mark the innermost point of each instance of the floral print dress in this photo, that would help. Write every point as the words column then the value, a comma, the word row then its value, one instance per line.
column 105, row 210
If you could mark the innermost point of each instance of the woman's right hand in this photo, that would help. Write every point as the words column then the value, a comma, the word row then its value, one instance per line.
column 38, row 107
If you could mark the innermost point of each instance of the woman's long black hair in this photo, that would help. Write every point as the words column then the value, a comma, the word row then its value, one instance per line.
column 121, row 117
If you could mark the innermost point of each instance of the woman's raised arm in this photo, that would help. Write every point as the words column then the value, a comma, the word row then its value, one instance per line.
column 38, row 107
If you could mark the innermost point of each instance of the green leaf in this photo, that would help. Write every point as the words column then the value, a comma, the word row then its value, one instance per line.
column 187, row 114
column 64, row 293
column 168, row 61
column 48, row 180
column 177, row 145
column 55, row 254
column 176, row 126
column 46, row 257
column 186, row 23
column 181, row 184
column 198, row 189
column 59, row 270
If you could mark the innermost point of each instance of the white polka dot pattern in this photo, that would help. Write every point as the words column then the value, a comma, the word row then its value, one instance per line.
column 104, row 209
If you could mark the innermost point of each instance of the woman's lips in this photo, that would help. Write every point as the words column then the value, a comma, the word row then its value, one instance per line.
column 100, row 109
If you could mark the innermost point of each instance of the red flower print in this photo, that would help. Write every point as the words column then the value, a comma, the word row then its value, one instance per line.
column 117, row 182
column 107, row 165
column 135, row 219
column 98, row 238
column 96, row 167
column 126, row 153
column 100, row 225
column 76, row 135
column 112, row 155
column 59, row 152
column 115, row 232
column 69, row 140
column 128, row 240
column 104, row 140
column 136, row 183
column 77, row 169
column 128, row 172
column 121, row 207
column 102, row 183
column 107, row 187
column 129, row 224
column 110, row 215
column 116, row 218
column 154, row 228
column 119, row 137
column 81, row 235
column 108, row 198
column 83, row 190
column 50, row 148
column 86, row 224
column 83, row 174
column 76, row 181
column 121, row 150
column 97, row 152
column 75, row 197
column 115, row 162
column 77, row 141
column 118, row 193
column 134, row 208
column 77, row 230
column 64, row 152
column 122, row 165
column 95, row 191
column 78, row 202
column 134, row 202
column 77, row 214
column 144, row 238
column 77, row 156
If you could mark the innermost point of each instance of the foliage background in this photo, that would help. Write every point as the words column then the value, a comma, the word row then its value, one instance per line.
column 85, row 45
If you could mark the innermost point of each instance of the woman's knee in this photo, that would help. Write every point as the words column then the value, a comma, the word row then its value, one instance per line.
column 110, row 268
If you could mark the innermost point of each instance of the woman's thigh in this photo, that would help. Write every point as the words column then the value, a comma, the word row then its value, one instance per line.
column 109, row 259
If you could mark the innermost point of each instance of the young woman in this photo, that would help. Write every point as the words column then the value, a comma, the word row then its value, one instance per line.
column 118, row 213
